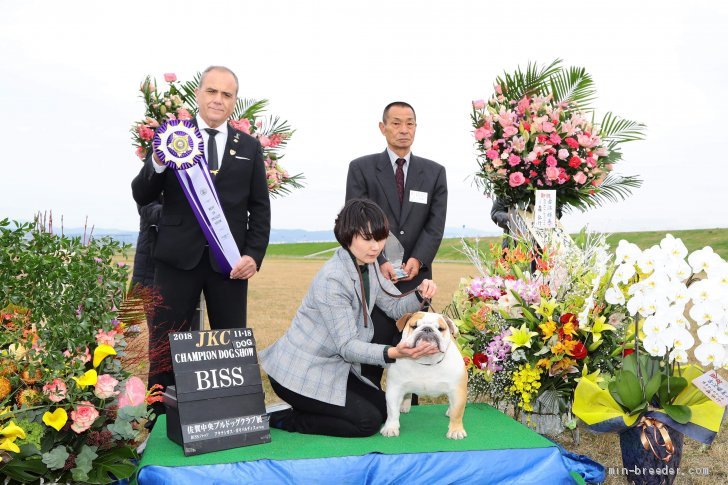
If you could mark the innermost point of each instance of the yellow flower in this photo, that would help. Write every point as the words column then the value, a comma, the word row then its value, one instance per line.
column 89, row 378
column 101, row 352
column 520, row 337
column 594, row 376
column 548, row 328
column 545, row 308
column 57, row 419
column 600, row 326
column 8, row 435
column 544, row 363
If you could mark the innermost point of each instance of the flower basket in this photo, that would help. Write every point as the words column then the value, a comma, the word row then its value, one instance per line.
column 547, row 417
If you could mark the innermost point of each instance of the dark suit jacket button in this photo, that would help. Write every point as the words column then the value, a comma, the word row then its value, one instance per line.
column 401, row 232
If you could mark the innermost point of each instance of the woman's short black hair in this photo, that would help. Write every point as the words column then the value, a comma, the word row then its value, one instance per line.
column 363, row 217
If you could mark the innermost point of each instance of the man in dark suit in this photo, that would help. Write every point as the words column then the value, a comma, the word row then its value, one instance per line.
column 184, row 263
column 412, row 191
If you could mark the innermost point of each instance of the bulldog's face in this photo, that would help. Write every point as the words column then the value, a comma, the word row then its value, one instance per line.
column 427, row 327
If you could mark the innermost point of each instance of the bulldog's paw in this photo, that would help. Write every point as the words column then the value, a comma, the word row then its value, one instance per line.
column 456, row 433
column 390, row 430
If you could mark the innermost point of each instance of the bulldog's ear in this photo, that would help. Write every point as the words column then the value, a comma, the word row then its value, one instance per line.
column 453, row 328
column 403, row 321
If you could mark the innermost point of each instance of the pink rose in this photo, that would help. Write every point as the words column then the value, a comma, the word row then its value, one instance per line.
column 554, row 138
column 481, row 133
column 264, row 141
column 572, row 143
column 241, row 125
column 523, row 105
column 492, row 154
column 55, row 390
column 514, row 160
column 590, row 162
column 140, row 152
column 170, row 77
column 585, row 141
column 509, row 131
column 551, row 161
column 105, row 385
column 479, row 104
column 83, row 417
column 498, row 89
column 563, row 176
column 105, row 337
column 516, row 179
column 579, row 178
column 563, row 153
column 552, row 173
column 547, row 127
column 183, row 114
column 145, row 133
column 151, row 122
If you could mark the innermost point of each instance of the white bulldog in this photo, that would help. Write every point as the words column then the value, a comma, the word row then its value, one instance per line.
column 432, row 375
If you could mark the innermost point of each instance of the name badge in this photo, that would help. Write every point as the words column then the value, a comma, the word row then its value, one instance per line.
column 418, row 197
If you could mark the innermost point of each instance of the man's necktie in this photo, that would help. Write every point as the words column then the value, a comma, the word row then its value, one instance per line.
column 399, row 178
column 212, row 150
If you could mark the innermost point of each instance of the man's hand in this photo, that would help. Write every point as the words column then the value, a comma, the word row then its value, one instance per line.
column 403, row 351
column 388, row 271
column 244, row 269
column 412, row 268
column 427, row 289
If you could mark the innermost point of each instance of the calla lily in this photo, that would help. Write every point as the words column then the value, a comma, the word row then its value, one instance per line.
column 8, row 435
column 520, row 337
column 600, row 326
column 545, row 308
column 101, row 352
column 57, row 419
column 89, row 378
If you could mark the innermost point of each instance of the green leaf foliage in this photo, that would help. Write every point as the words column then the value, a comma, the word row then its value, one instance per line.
column 84, row 463
column 680, row 414
column 670, row 388
column 56, row 458
column 627, row 391
column 113, row 465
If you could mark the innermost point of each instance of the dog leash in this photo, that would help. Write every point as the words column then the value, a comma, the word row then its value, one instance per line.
column 426, row 302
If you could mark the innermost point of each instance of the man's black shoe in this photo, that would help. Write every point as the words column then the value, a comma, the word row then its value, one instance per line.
column 280, row 416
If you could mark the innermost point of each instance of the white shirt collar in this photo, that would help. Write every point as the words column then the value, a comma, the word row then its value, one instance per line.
column 223, row 128
column 393, row 158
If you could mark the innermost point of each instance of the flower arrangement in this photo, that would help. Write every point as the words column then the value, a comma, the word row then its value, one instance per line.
column 69, row 411
column 536, row 133
column 661, row 295
column 530, row 322
column 178, row 102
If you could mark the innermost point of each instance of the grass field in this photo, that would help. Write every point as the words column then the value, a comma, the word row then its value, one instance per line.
column 450, row 248
column 276, row 291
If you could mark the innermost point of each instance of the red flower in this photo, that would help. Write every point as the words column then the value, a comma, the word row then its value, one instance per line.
column 467, row 360
column 568, row 317
column 480, row 360
column 571, row 142
column 579, row 351
column 626, row 352
column 574, row 162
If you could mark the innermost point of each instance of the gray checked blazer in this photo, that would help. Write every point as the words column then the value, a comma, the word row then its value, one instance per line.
column 327, row 338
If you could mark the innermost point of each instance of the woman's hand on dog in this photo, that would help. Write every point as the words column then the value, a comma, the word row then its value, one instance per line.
column 403, row 351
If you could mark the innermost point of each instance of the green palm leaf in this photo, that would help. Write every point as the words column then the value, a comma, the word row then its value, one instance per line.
column 533, row 81
column 188, row 90
column 249, row 108
column 615, row 130
column 573, row 85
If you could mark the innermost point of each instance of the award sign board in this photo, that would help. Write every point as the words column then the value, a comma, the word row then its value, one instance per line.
column 218, row 401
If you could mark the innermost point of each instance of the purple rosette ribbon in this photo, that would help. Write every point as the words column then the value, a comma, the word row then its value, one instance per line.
column 179, row 145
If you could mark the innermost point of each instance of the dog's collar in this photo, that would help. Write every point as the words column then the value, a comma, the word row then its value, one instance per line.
column 432, row 363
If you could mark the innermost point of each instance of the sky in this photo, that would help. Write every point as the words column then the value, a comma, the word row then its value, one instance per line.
column 71, row 71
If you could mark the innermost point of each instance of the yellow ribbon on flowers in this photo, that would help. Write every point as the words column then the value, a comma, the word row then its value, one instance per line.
column 595, row 405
